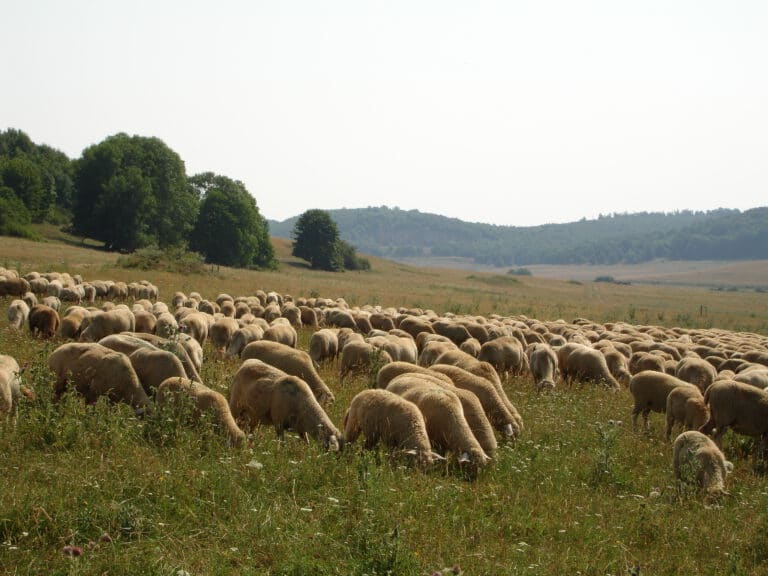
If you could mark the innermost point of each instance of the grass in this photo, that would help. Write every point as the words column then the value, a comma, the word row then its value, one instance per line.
column 578, row 493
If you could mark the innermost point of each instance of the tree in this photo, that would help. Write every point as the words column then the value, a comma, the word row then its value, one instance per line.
column 316, row 240
column 22, row 175
column 131, row 191
column 229, row 228
column 14, row 216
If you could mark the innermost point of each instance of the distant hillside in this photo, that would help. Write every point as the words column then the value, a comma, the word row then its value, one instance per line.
column 721, row 234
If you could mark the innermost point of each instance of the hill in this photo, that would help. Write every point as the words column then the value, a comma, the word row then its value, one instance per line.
column 723, row 234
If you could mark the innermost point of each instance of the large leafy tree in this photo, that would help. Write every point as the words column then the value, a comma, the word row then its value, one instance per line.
column 131, row 191
column 40, row 176
column 316, row 240
column 229, row 229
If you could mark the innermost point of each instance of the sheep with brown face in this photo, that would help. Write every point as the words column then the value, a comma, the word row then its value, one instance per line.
column 44, row 321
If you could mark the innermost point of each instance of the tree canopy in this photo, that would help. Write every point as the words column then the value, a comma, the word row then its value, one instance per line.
column 131, row 191
column 229, row 229
column 316, row 240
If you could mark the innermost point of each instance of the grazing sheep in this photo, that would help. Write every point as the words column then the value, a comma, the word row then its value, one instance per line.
column 390, row 371
column 96, row 371
column 10, row 387
column 324, row 345
column 360, row 356
column 72, row 322
column 154, row 366
column 398, row 348
column 500, row 411
column 382, row 416
column 104, row 324
column 696, row 371
column 129, row 342
column 542, row 362
column 282, row 333
column 432, row 350
column 166, row 325
column 588, row 364
column 381, row 321
column 685, row 405
column 18, row 314
column 696, row 459
column 471, row 346
column 650, row 389
column 447, row 427
column 196, row 325
column 473, row 411
column 415, row 325
column 145, row 322
column 204, row 400
column 30, row 299
column 44, row 321
column 736, row 405
column 643, row 361
column 242, row 337
column 618, row 365
column 14, row 287
column 291, row 361
column 757, row 378
column 263, row 394
column 456, row 332
column 506, row 355
column 221, row 332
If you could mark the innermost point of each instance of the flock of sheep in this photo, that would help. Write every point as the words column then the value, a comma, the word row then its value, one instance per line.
column 436, row 381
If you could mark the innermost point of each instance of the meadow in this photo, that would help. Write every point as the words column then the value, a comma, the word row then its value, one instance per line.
column 579, row 492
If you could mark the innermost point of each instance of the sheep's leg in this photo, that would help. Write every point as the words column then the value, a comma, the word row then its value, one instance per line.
column 670, row 424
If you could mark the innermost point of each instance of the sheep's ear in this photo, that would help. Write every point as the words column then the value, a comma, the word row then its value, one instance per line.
column 411, row 452
column 464, row 458
column 728, row 467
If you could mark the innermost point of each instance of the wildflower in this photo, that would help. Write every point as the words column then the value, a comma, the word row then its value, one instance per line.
column 74, row 551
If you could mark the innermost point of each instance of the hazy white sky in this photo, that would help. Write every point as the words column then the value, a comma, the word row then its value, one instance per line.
column 509, row 112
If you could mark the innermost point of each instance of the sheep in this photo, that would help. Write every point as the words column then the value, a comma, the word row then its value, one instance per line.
column 283, row 333
column 588, row 364
column 381, row 321
column 382, row 416
column 500, row 411
column 650, row 390
column 642, row 361
column 52, row 302
column 14, row 287
column 263, row 394
column 398, row 348
column 542, row 362
column 736, row 405
column 72, row 322
column 166, row 325
column 686, row 406
column 292, row 361
column 506, row 355
column 196, row 325
column 204, row 399
column 324, row 345
column 18, row 314
column 154, row 366
column 757, row 378
column 106, row 323
column 414, row 325
column 309, row 317
column 361, row 356
column 696, row 371
column 242, row 337
column 10, row 387
column 457, row 333
column 696, row 459
column 96, row 371
column 471, row 346
column 473, row 411
column 221, row 332
column 144, row 322
column 44, row 321
column 444, row 418
column 30, row 299
column 432, row 350
column 618, row 365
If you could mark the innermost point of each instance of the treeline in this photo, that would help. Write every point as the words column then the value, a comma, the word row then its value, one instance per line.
column 130, row 192
column 722, row 234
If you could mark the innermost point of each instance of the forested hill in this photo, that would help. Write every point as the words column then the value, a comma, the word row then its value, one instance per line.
column 721, row 234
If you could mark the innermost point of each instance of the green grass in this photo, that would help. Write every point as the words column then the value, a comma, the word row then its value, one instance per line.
column 579, row 492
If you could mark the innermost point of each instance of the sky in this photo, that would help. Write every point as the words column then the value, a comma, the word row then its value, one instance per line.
column 511, row 113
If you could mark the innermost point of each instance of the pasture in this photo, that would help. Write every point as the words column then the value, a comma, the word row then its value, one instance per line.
column 578, row 493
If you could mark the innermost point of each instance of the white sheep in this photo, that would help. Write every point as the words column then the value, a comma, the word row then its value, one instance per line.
column 263, row 394
column 685, row 405
column 446, row 425
column 696, row 459
column 382, row 416
column 204, row 400
column 291, row 361
column 650, row 390
column 18, row 314
column 10, row 387
column 736, row 405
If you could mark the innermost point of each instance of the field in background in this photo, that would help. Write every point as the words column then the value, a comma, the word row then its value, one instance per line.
column 578, row 493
